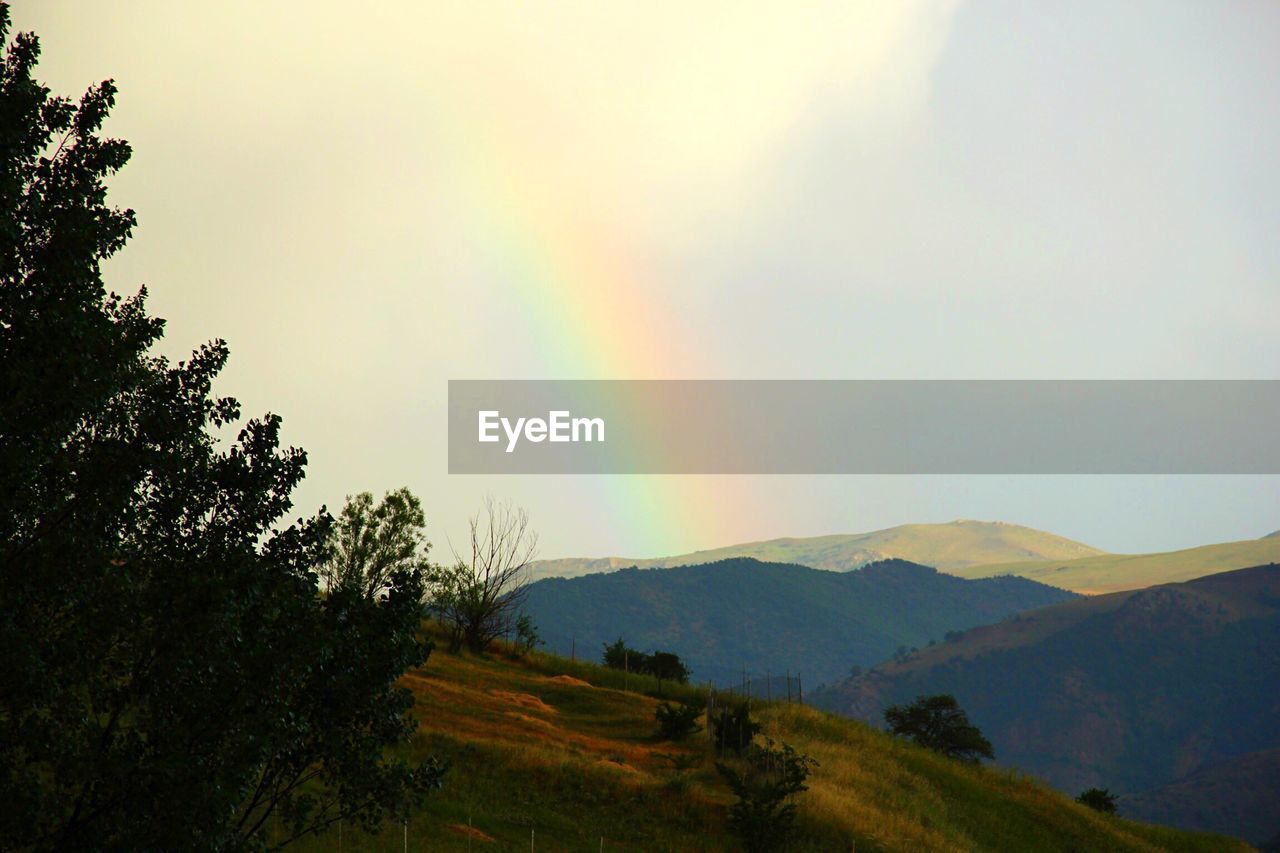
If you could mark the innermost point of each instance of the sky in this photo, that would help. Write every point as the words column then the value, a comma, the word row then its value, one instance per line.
column 367, row 200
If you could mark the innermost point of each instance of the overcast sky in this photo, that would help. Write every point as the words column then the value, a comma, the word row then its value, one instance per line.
column 366, row 200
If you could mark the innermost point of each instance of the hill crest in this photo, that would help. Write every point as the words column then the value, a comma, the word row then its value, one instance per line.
column 948, row 546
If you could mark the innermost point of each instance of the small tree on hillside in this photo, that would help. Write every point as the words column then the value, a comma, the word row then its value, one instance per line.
column 764, row 814
column 373, row 542
column 479, row 598
column 1098, row 799
column 939, row 723
column 733, row 729
column 666, row 666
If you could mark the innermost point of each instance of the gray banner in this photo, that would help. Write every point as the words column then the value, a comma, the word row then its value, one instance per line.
column 864, row 427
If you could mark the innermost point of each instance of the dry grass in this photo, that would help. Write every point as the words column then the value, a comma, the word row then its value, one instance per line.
column 546, row 746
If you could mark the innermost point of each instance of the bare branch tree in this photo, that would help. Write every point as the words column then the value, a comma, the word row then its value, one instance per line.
column 479, row 599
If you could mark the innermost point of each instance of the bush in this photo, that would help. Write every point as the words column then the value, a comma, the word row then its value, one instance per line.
column 764, row 815
column 1098, row 799
column 677, row 722
column 733, row 729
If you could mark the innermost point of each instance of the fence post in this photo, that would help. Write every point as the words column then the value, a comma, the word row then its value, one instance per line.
column 768, row 685
column 573, row 650
column 788, row 686
column 800, row 687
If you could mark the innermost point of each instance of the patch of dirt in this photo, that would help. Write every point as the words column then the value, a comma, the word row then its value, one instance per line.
column 569, row 680
column 524, row 700
column 470, row 832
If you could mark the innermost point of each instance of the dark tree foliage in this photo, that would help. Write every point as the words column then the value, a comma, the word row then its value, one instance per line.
column 732, row 729
column 1098, row 799
column 617, row 655
column 664, row 666
column 764, row 815
column 939, row 723
column 678, row 721
column 170, row 677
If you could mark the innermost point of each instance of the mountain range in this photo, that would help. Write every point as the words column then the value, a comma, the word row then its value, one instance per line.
column 969, row 549
column 1169, row 695
column 770, row 618
column 945, row 546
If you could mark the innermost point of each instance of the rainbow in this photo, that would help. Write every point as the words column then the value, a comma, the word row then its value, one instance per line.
column 592, row 316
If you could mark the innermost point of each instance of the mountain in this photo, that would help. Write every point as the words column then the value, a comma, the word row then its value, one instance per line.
column 1115, row 572
column 1129, row 691
column 1240, row 796
column 724, row 617
column 1274, row 535
column 555, row 754
column 945, row 546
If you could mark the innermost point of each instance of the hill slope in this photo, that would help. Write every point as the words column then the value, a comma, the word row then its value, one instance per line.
column 1116, row 572
column 1130, row 691
column 772, row 617
column 945, row 546
column 538, row 753
column 1238, row 795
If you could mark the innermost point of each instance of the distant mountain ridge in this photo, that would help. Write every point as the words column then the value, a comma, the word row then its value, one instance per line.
column 1132, row 691
column 949, row 546
column 1116, row 572
column 771, row 617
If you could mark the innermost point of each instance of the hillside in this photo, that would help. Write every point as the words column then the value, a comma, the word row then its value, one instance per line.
column 1272, row 535
column 550, row 749
column 1238, row 795
column 772, row 617
column 944, row 546
column 1116, row 572
column 1130, row 691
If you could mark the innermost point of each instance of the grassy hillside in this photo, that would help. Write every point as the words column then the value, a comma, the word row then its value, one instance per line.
column 945, row 546
column 1115, row 572
column 771, row 617
column 1130, row 691
column 553, row 748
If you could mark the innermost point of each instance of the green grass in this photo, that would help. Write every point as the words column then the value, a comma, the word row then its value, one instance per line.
column 553, row 747
column 1116, row 572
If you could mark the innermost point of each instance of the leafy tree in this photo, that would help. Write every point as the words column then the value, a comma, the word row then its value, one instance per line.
column 939, row 723
column 678, row 721
column 479, row 599
column 373, row 542
column 171, row 677
column 618, row 655
column 1098, row 799
column 764, row 815
column 666, row 666
column 733, row 729
column 527, row 636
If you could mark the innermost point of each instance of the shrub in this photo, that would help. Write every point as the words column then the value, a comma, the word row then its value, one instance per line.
column 1098, row 799
column 678, row 721
column 764, row 815
column 733, row 729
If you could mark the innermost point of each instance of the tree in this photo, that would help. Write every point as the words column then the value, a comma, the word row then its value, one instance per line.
column 527, row 636
column 667, row 666
column 764, row 815
column 938, row 722
column 1098, row 799
column 372, row 543
column 479, row 599
column 164, row 640
column 618, row 655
